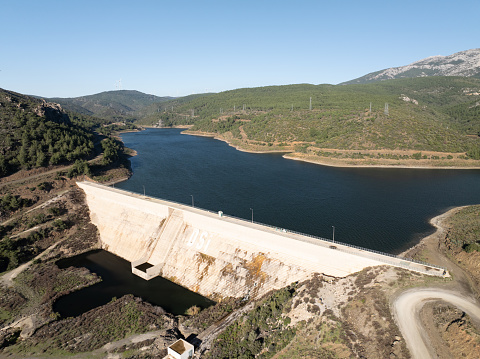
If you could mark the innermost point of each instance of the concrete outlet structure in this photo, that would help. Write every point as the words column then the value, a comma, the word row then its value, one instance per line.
column 216, row 255
column 180, row 350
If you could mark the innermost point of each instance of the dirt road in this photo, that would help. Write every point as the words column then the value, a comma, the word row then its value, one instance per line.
column 7, row 278
column 406, row 309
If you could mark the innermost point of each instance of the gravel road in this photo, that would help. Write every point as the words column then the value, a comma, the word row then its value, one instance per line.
column 406, row 309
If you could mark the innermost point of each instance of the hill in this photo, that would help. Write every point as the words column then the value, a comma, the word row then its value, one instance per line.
column 434, row 114
column 111, row 105
column 36, row 133
column 464, row 63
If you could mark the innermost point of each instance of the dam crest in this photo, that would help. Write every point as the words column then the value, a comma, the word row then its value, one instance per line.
column 217, row 255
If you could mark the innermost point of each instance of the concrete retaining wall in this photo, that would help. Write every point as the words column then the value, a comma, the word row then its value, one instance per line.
column 213, row 255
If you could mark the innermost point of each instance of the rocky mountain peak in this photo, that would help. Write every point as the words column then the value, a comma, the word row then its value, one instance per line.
column 464, row 63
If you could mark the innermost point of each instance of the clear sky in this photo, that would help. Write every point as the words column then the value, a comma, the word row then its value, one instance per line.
column 69, row 48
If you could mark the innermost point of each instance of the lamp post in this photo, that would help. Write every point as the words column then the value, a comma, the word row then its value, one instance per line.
column 333, row 234
column 192, row 200
column 251, row 209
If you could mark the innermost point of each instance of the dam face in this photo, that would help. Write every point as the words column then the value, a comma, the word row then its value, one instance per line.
column 215, row 255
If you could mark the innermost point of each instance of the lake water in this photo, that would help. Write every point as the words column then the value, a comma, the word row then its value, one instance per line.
column 382, row 209
column 118, row 280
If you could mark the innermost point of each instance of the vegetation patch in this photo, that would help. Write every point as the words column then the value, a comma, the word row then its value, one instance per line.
column 212, row 314
column 260, row 333
column 92, row 330
column 464, row 229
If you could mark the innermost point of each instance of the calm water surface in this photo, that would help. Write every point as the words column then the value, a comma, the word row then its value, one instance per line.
column 383, row 209
column 118, row 280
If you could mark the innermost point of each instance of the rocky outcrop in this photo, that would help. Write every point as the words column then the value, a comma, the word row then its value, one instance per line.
column 52, row 111
column 464, row 63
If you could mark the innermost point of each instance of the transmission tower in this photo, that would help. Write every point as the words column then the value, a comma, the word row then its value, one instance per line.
column 118, row 84
column 386, row 109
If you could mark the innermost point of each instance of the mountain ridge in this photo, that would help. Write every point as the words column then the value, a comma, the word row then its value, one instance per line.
column 464, row 63
column 115, row 105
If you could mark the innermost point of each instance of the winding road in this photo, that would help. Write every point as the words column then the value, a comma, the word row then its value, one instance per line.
column 406, row 309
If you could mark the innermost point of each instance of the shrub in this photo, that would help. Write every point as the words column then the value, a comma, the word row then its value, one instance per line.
column 60, row 225
column 417, row 156
column 472, row 247
column 193, row 310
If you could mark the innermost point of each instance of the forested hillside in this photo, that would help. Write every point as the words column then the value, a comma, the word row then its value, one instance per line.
column 118, row 105
column 422, row 114
column 35, row 133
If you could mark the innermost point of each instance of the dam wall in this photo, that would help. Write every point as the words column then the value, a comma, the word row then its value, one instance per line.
column 217, row 255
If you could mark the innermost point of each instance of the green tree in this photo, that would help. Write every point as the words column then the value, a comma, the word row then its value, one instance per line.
column 111, row 150
column 41, row 158
column 80, row 167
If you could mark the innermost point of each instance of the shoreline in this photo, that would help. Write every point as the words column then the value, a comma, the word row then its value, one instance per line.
column 320, row 163
column 326, row 162
column 437, row 223
column 211, row 135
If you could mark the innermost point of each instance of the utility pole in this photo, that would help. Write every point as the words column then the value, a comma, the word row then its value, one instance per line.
column 370, row 108
column 192, row 200
column 386, row 109
column 310, row 104
column 251, row 209
column 333, row 237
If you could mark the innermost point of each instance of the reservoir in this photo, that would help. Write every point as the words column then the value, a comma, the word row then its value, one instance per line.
column 383, row 209
column 118, row 280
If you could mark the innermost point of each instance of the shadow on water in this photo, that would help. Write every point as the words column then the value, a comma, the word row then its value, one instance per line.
column 118, row 280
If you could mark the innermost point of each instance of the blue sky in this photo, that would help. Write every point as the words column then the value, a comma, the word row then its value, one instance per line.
column 69, row 48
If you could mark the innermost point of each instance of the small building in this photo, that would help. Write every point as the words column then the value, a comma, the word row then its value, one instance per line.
column 180, row 350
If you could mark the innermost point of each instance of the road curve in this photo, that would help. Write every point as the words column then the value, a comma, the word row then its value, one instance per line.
column 407, row 306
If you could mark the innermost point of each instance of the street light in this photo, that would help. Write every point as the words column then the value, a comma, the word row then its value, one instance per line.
column 192, row 200
column 251, row 209
column 333, row 234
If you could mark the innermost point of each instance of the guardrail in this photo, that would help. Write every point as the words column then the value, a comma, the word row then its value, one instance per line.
column 315, row 238
column 338, row 243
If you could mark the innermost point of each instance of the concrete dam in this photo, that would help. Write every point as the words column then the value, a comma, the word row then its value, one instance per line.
column 217, row 255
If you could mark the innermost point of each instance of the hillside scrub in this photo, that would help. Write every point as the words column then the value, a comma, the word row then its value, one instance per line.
column 260, row 333
column 424, row 114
